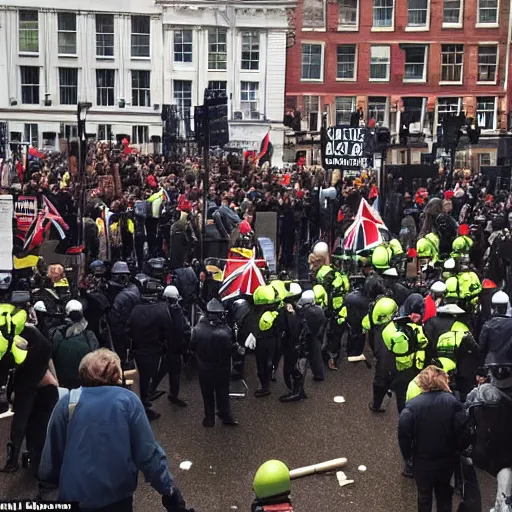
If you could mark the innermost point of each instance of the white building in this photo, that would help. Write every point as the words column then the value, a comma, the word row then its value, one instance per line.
column 129, row 58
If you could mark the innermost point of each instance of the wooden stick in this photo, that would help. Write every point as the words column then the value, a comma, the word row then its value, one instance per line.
column 322, row 467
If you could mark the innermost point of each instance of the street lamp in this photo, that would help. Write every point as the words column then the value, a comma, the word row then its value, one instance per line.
column 82, row 109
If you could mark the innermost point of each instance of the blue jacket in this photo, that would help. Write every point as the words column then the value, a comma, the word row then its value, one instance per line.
column 95, row 458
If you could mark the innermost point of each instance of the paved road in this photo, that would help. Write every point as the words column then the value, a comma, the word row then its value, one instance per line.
column 225, row 458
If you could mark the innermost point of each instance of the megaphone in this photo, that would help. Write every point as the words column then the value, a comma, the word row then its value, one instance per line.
column 327, row 193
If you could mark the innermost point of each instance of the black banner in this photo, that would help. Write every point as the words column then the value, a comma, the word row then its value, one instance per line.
column 343, row 147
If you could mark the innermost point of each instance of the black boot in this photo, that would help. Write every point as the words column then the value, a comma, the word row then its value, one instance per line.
column 12, row 463
column 260, row 393
column 378, row 396
column 407, row 471
column 297, row 392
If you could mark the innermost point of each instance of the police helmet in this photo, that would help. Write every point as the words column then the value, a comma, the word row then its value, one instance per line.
column 241, row 309
column 500, row 299
column 120, row 268
column 214, row 306
column 5, row 280
column 449, row 265
column 459, row 245
column 265, row 295
column 271, row 479
column 98, row 268
column 307, row 298
column 74, row 306
column 380, row 257
column 438, row 287
column 155, row 267
column 385, row 309
column 40, row 306
column 450, row 309
column 293, row 290
column 171, row 292
column 390, row 272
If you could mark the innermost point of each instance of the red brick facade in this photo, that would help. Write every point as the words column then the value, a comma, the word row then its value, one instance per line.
column 469, row 35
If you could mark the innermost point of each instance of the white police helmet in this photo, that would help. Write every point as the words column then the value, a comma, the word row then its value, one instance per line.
column 40, row 307
column 438, row 287
column 500, row 299
column 307, row 297
column 171, row 292
column 74, row 306
column 321, row 249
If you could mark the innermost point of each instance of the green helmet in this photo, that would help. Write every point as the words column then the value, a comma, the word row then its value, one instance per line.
column 280, row 288
column 424, row 248
column 381, row 257
column 384, row 311
column 271, row 479
column 459, row 245
column 265, row 295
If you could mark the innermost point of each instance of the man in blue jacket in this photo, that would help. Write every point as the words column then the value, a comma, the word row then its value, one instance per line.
column 430, row 432
column 99, row 438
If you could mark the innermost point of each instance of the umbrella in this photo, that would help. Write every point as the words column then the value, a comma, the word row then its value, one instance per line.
column 46, row 218
column 242, row 274
column 367, row 231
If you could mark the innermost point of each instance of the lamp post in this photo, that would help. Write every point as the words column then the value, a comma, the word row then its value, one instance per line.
column 82, row 109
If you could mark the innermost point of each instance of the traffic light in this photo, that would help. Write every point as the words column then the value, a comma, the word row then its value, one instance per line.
column 383, row 139
column 451, row 131
column 473, row 133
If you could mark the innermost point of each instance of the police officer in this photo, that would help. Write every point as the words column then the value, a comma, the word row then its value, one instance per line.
column 450, row 339
column 495, row 341
column 124, row 302
column 150, row 327
column 272, row 486
column 244, row 325
column 463, row 286
column 380, row 314
column 314, row 318
column 214, row 341
column 266, row 301
column 24, row 358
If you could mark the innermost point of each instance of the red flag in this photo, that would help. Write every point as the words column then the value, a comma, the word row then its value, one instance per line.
column 264, row 146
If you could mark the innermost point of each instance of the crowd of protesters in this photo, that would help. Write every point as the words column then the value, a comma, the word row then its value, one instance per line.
column 146, row 297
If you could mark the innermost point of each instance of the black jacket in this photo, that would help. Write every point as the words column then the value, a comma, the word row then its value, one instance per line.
column 122, row 308
column 430, row 430
column 151, row 327
column 496, row 341
column 214, row 344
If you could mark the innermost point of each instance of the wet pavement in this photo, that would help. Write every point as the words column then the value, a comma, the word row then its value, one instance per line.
column 224, row 459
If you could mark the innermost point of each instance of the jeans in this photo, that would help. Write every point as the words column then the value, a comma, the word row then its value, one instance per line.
column 434, row 481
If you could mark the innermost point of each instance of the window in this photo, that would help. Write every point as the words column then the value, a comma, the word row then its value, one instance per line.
column 346, row 69
column 104, row 35
column 249, row 99
column 183, row 46
column 311, row 111
column 345, row 105
column 348, row 13
column 31, row 135
column 412, row 114
column 485, row 112
column 382, row 13
column 217, row 49
column 488, row 11
column 28, row 31
column 105, row 132
column 417, row 13
column 452, row 11
column 140, row 135
column 487, row 63
column 378, row 109
column 68, row 86
column 447, row 107
column 415, row 63
column 29, row 85
column 483, row 159
column 70, row 131
column 250, row 50
column 140, row 36
column 312, row 62
column 313, row 14
column 66, row 22
column 141, row 96
column 218, row 86
column 379, row 62
column 105, row 81
column 183, row 95
column 452, row 56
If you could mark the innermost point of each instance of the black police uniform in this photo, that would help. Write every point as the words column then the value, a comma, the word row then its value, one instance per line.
column 214, row 341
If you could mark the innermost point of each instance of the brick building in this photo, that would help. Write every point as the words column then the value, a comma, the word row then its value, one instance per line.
column 403, row 61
